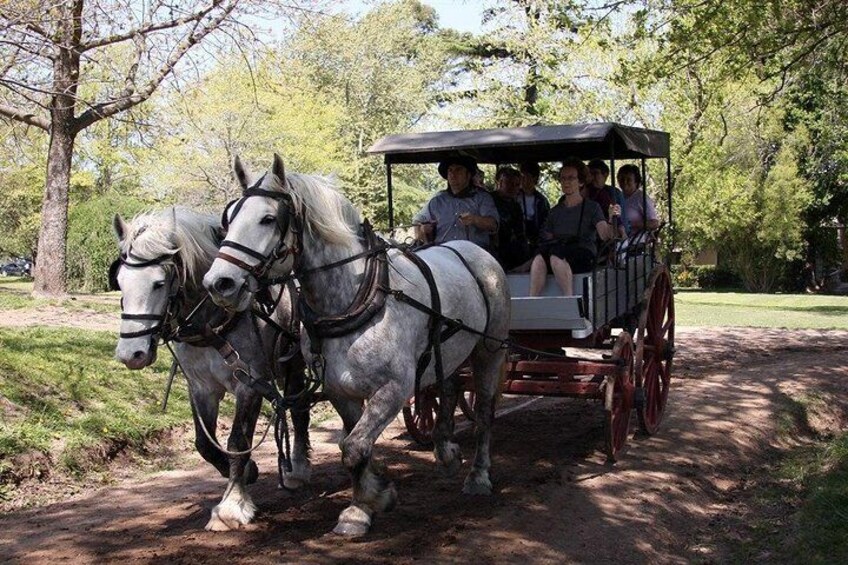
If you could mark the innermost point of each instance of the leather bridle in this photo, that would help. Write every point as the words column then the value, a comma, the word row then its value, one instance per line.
column 163, row 327
column 287, row 221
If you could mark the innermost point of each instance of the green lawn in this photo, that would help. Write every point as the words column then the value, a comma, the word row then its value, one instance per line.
column 63, row 394
column 15, row 294
column 697, row 308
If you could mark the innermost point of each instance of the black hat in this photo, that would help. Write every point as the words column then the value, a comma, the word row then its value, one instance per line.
column 468, row 162
column 599, row 165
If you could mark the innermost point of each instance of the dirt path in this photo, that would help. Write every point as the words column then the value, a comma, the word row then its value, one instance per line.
column 677, row 497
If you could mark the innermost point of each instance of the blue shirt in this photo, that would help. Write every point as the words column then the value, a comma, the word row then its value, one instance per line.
column 444, row 209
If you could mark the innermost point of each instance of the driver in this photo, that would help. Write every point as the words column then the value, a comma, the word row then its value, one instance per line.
column 461, row 211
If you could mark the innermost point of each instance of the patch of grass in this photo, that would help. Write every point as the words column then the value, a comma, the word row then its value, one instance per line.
column 800, row 497
column 822, row 474
column 65, row 396
column 795, row 311
column 15, row 294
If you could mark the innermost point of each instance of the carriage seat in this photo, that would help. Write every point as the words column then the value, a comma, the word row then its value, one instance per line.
column 551, row 310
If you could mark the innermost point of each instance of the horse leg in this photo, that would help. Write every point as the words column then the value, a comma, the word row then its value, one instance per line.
column 236, row 507
column 204, row 412
column 301, row 466
column 350, row 411
column 372, row 492
column 487, row 367
column 447, row 452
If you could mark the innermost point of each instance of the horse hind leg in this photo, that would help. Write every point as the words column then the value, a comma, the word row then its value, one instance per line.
column 301, row 466
column 236, row 507
column 447, row 452
column 488, row 369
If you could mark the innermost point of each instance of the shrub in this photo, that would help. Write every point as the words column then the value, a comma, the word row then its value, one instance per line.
column 707, row 277
column 91, row 243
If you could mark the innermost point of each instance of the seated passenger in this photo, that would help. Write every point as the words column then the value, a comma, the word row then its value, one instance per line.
column 569, row 236
column 598, row 190
column 637, row 206
column 512, row 249
column 460, row 211
column 533, row 203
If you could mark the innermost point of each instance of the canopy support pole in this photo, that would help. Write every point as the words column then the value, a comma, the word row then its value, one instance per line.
column 391, row 197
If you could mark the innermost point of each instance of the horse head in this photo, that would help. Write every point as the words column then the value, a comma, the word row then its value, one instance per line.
column 261, row 237
column 160, row 259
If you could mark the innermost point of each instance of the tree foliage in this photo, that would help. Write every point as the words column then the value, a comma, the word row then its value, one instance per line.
column 67, row 65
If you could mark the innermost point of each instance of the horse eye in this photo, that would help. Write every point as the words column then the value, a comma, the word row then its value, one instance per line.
column 158, row 284
column 267, row 220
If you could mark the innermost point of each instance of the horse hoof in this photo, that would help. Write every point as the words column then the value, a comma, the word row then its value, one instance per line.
column 353, row 521
column 291, row 483
column 477, row 484
column 449, row 459
column 231, row 515
column 298, row 477
column 251, row 472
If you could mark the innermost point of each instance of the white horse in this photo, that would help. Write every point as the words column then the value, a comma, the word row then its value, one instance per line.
column 370, row 342
column 163, row 256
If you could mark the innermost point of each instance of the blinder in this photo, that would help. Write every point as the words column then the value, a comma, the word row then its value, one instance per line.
column 225, row 215
column 113, row 274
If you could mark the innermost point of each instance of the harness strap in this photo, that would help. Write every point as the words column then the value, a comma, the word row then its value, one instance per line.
column 434, row 342
column 479, row 285
column 237, row 262
column 369, row 299
column 246, row 250
column 149, row 331
column 153, row 317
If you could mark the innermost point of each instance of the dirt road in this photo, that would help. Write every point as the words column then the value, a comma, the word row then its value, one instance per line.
column 678, row 497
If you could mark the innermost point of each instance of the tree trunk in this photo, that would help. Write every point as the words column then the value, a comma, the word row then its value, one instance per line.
column 50, row 262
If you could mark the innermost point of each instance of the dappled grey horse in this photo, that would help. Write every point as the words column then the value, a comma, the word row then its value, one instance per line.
column 362, row 308
column 163, row 256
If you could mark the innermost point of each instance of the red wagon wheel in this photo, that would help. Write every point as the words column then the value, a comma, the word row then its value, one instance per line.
column 654, row 351
column 420, row 420
column 618, row 399
column 420, row 417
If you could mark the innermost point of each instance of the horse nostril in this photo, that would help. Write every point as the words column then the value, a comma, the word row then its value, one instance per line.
column 139, row 354
column 224, row 284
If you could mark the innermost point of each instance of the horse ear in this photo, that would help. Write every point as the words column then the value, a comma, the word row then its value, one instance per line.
column 119, row 226
column 172, row 222
column 241, row 174
column 278, row 169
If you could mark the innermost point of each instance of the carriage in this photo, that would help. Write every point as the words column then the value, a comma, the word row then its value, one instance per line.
column 623, row 308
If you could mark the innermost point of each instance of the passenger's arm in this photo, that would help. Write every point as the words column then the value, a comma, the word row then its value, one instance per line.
column 486, row 223
column 605, row 230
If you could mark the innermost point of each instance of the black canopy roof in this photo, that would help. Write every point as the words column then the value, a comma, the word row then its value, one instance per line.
column 533, row 143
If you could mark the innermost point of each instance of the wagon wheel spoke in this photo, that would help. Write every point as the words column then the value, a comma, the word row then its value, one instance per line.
column 619, row 399
column 420, row 418
column 655, row 349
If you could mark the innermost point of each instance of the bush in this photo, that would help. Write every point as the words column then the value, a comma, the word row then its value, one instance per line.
column 707, row 277
column 91, row 242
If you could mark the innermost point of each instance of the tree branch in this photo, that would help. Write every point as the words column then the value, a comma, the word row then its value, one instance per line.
column 131, row 98
column 24, row 116
column 150, row 28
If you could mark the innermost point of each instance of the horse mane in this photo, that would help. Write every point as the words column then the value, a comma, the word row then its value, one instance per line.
column 328, row 214
column 177, row 231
